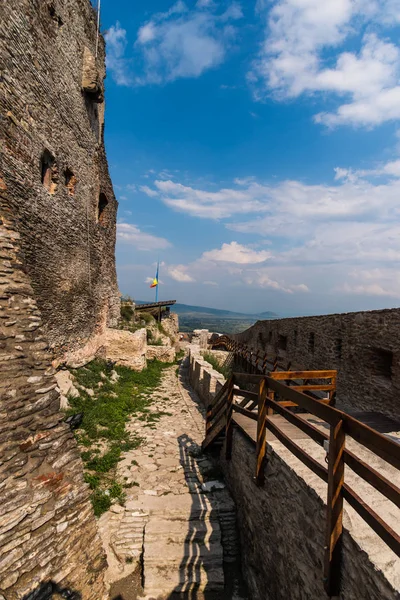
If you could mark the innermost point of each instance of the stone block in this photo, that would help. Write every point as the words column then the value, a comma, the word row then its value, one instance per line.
column 126, row 348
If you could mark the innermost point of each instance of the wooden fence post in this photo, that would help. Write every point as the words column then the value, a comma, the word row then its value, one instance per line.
column 261, row 432
column 229, row 423
column 271, row 396
column 334, row 531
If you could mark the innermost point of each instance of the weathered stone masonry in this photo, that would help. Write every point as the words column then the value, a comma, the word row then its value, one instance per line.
column 54, row 166
column 47, row 528
column 58, row 289
column 364, row 347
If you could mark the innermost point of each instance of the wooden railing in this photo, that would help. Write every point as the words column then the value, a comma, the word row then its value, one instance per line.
column 219, row 420
column 255, row 361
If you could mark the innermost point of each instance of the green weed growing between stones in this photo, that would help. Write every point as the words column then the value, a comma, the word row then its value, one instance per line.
column 102, row 435
column 210, row 358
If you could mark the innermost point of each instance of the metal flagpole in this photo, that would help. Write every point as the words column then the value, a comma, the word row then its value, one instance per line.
column 158, row 279
column 98, row 26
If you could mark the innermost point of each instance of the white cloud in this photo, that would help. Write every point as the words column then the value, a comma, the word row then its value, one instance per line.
column 317, row 235
column 180, row 273
column 148, row 191
column 236, row 253
column 210, row 283
column 373, row 282
column 262, row 278
column 116, row 43
column 201, row 203
column 185, row 43
column 131, row 234
column 296, row 57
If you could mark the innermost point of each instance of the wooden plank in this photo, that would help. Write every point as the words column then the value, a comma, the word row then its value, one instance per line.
column 289, row 403
column 334, row 519
column 218, row 415
column 317, row 408
column 261, row 447
column 314, row 433
column 371, row 439
column 245, row 412
column 214, row 425
column 213, row 435
column 229, row 423
column 303, row 374
column 305, row 458
column 320, row 388
column 218, row 396
column 378, row 481
column 386, row 533
column 245, row 394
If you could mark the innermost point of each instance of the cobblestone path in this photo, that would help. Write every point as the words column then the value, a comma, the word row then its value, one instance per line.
column 178, row 524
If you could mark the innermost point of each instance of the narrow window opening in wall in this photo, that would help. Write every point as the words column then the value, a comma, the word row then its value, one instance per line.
column 338, row 348
column 102, row 209
column 49, row 172
column 381, row 362
column 55, row 16
column 311, row 342
column 282, row 342
column 270, row 337
column 260, row 337
column 70, row 181
column 295, row 337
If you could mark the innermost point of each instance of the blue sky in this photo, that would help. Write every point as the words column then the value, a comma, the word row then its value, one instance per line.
column 255, row 148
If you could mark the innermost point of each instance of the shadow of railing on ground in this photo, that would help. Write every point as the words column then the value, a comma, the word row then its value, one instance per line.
column 47, row 590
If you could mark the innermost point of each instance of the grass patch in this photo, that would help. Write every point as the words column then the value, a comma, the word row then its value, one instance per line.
column 210, row 358
column 179, row 355
column 102, row 435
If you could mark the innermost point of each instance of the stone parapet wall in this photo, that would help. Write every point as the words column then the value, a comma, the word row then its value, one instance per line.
column 364, row 347
column 203, row 378
column 48, row 533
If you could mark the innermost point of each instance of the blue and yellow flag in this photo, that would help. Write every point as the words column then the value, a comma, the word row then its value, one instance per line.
column 155, row 280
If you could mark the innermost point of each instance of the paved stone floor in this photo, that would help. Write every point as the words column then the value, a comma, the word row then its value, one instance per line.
column 177, row 531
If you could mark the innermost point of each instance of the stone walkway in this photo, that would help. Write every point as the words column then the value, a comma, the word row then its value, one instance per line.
column 178, row 526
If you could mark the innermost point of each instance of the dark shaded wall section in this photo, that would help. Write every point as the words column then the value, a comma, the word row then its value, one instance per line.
column 54, row 167
column 364, row 347
column 48, row 531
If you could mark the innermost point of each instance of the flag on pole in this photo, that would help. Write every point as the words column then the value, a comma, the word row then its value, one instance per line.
column 155, row 280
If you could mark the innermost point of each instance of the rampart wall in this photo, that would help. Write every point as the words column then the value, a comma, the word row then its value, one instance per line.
column 282, row 524
column 364, row 347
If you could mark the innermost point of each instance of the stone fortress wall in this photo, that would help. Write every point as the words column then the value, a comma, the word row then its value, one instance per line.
column 58, row 289
column 364, row 347
column 54, row 169
column 48, row 532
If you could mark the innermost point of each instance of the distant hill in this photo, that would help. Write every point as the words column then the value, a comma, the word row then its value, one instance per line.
column 215, row 319
column 186, row 309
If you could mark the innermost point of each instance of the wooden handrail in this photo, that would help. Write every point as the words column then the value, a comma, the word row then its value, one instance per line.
column 341, row 425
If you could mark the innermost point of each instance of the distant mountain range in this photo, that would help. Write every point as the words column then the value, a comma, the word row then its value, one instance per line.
column 215, row 319
column 198, row 311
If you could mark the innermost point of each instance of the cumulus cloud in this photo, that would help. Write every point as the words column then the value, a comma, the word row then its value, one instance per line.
column 315, row 233
column 236, row 253
column 117, row 64
column 178, row 43
column 148, row 191
column 180, row 273
column 296, row 57
column 132, row 235
column 185, row 43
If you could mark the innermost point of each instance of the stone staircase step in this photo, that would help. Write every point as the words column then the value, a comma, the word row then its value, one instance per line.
column 166, row 580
